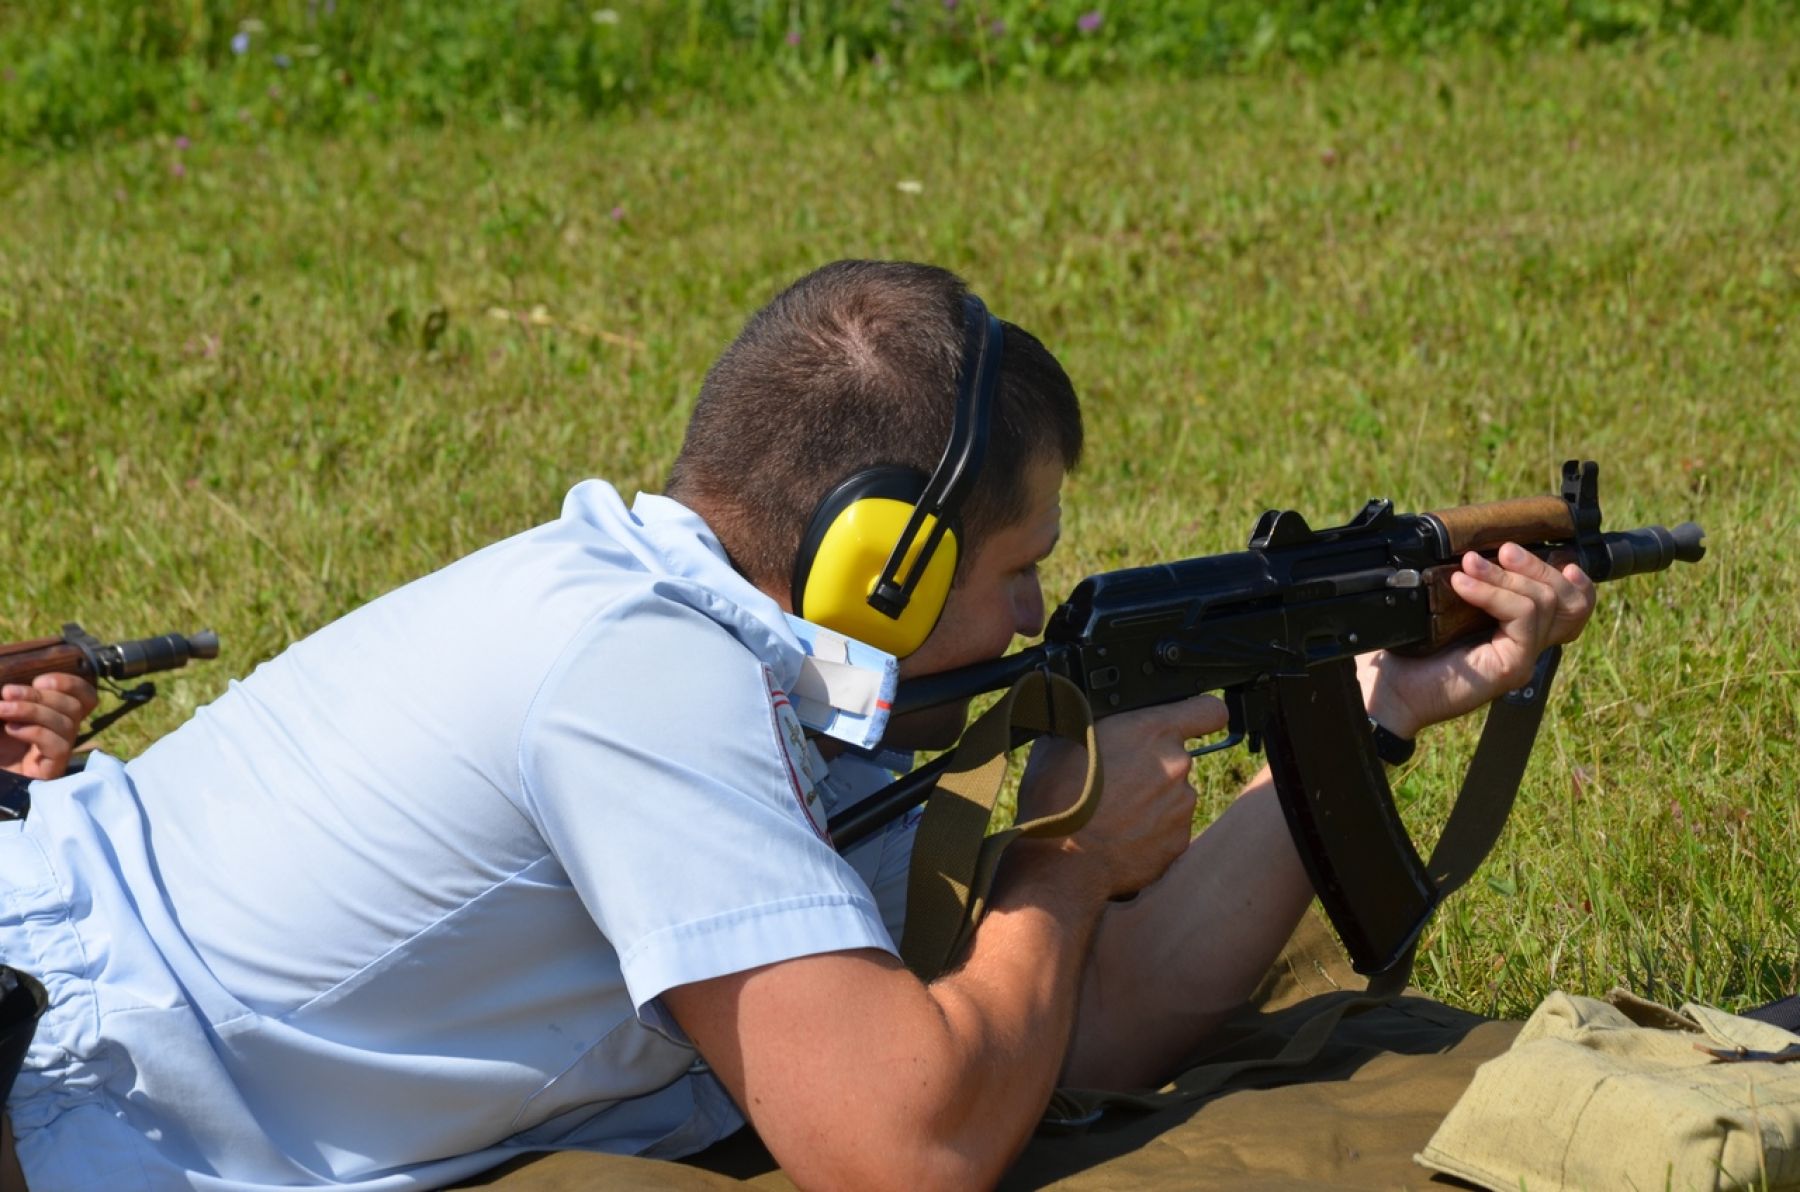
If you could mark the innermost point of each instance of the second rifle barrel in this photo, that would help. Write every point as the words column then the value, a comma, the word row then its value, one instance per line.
column 77, row 653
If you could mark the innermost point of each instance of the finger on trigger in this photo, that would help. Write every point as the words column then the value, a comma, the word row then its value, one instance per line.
column 1199, row 715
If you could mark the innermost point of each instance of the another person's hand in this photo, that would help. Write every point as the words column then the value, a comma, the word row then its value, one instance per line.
column 1535, row 606
column 39, row 723
column 1146, row 811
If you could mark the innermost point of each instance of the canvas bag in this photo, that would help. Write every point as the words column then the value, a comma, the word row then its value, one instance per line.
column 1620, row 1094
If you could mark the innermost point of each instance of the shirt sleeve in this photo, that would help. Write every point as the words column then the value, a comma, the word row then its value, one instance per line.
column 654, row 762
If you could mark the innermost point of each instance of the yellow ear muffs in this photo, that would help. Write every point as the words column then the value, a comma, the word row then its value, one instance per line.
column 848, row 544
column 880, row 552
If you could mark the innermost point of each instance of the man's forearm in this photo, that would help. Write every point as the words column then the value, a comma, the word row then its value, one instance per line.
column 1170, row 965
column 1010, row 1007
column 895, row 1083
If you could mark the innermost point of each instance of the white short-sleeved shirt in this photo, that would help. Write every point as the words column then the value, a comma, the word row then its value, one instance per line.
column 403, row 902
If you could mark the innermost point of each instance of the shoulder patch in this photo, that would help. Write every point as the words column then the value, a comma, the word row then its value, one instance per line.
column 790, row 736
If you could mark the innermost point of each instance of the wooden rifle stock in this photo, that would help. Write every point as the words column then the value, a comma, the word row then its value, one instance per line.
column 21, row 662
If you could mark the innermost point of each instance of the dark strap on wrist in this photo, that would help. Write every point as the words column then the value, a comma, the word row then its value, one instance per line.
column 1390, row 746
column 15, row 796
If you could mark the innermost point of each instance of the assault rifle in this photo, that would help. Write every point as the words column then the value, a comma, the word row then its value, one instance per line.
column 78, row 652
column 1276, row 628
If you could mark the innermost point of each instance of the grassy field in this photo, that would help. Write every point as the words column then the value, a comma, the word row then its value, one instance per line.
column 108, row 70
column 254, row 383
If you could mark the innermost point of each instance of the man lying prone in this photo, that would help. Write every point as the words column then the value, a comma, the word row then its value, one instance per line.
column 530, row 853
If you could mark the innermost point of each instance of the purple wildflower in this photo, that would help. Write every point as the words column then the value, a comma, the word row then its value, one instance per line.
column 177, row 169
column 950, row 5
column 181, row 142
column 617, row 213
column 997, row 28
column 283, row 61
column 240, row 43
column 1089, row 22
column 793, row 37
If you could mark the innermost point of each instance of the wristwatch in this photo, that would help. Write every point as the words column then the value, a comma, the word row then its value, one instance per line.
column 1390, row 746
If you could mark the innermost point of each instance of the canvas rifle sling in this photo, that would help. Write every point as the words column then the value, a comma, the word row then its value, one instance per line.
column 953, row 858
column 953, row 864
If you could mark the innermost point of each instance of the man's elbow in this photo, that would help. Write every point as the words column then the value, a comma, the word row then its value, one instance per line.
column 909, row 1146
column 898, row 1165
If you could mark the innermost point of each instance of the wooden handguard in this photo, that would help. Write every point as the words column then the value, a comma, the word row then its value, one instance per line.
column 1527, row 521
column 1524, row 520
column 21, row 662
column 1452, row 618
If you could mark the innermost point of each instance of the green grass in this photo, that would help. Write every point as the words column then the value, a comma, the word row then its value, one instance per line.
column 72, row 74
column 253, row 384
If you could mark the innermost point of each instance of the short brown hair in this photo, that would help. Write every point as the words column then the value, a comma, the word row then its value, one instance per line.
column 855, row 366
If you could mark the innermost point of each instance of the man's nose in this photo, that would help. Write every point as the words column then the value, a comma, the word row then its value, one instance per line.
column 1028, row 610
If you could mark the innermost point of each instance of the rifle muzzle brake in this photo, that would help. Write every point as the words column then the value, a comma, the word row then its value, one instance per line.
column 169, row 651
column 1653, row 548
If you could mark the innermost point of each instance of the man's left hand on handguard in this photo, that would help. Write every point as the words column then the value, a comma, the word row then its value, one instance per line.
column 1534, row 604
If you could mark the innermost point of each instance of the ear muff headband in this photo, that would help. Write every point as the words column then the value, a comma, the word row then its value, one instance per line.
column 951, row 482
column 882, row 574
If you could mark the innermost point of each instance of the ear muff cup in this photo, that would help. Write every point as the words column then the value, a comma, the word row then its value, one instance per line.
column 847, row 545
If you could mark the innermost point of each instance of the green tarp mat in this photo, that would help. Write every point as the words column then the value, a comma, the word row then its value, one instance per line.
column 1353, row 1117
